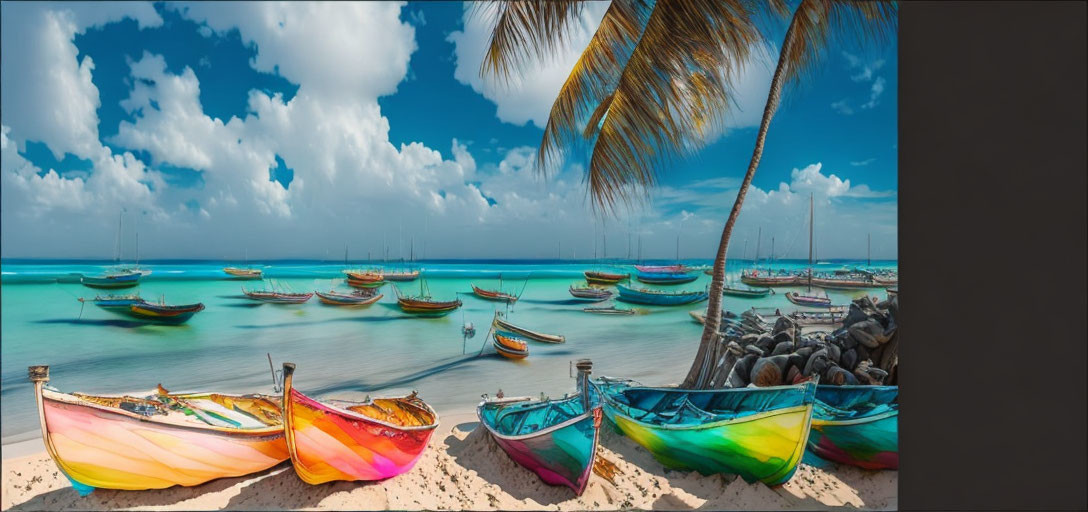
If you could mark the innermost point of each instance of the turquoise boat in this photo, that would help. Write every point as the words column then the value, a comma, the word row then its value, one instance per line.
column 113, row 280
column 659, row 298
column 556, row 439
column 756, row 433
column 857, row 425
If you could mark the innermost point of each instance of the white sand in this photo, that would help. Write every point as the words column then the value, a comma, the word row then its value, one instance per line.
column 465, row 470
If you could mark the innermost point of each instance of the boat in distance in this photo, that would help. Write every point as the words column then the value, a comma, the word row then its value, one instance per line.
column 594, row 277
column 166, row 439
column 590, row 293
column 556, row 439
column 500, row 323
column 275, row 297
column 244, row 273
column 494, row 295
column 358, row 298
column 660, row 298
column 665, row 278
column 339, row 440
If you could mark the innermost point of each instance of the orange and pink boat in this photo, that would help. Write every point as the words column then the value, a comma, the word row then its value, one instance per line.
column 163, row 440
column 370, row 440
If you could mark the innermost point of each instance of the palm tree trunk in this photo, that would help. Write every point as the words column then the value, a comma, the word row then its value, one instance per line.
column 699, row 376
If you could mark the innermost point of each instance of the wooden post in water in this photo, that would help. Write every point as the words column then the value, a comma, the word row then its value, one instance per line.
column 584, row 367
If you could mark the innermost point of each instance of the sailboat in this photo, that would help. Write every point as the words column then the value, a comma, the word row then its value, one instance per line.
column 245, row 273
column 765, row 278
column 407, row 274
column 496, row 295
column 809, row 299
column 117, row 276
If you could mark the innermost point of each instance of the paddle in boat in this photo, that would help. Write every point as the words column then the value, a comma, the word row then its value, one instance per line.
column 556, row 439
column 275, row 297
column 509, row 346
column 113, row 280
column 593, row 293
column 665, row 277
column 424, row 305
column 808, row 300
column 757, row 433
column 158, row 441
column 857, row 425
column 244, row 273
column 338, row 440
column 735, row 291
column 364, row 297
column 660, row 298
column 500, row 324
column 594, row 277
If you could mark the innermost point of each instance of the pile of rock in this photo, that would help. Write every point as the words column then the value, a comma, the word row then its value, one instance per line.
column 863, row 351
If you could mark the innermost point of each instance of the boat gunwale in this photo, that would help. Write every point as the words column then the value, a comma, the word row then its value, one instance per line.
column 581, row 417
column 357, row 416
column 70, row 399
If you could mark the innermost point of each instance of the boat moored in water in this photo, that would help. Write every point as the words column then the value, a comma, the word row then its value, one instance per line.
column 244, row 273
column 595, row 277
column 275, row 297
column 358, row 298
column 500, row 323
column 660, row 298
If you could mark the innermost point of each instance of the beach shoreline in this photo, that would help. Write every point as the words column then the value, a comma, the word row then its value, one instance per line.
column 463, row 469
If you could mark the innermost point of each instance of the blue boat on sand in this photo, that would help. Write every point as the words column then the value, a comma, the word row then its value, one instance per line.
column 556, row 439
column 660, row 298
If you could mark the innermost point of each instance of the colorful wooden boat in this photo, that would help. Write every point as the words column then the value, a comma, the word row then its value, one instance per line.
column 116, row 303
column 610, row 310
column 275, row 297
column 423, row 305
column 757, row 433
column 857, row 425
column 653, row 269
column 556, row 439
column 493, row 295
column 130, row 443
column 244, row 273
column 163, row 313
column 660, row 298
column 407, row 275
column 755, row 278
column 665, row 278
column 509, row 346
column 371, row 440
column 590, row 293
column 112, row 280
column 808, row 300
column 364, row 279
column 333, row 298
column 734, row 291
column 500, row 323
column 593, row 277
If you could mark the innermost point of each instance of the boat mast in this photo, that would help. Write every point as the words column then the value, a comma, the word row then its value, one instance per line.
column 117, row 257
column 811, row 221
column 759, row 238
column 868, row 250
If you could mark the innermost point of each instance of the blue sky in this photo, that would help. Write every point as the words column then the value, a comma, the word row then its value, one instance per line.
column 293, row 130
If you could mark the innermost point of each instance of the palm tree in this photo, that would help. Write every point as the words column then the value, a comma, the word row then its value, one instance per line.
column 652, row 83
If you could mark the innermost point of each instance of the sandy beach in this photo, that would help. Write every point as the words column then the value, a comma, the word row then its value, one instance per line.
column 465, row 470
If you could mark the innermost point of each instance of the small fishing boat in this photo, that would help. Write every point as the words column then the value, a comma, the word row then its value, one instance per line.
column 808, row 300
column 501, row 324
column 275, row 297
column 655, row 269
column 407, row 275
column 364, row 279
column 244, row 273
column 556, row 439
column 734, row 291
column 593, row 277
column 493, row 295
column 660, row 298
column 857, row 425
column 610, row 310
column 757, row 433
column 698, row 316
column 159, row 441
column 665, row 278
column 132, row 306
column 116, row 303
column 510, row 347
column 590, row 293
column 337, row 440
column 424, row 305
column 755, row 278
column 358, row 298
column 843, row 284
column 112, row 280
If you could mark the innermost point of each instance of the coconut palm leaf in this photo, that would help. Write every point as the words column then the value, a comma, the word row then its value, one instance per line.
column 524, row 29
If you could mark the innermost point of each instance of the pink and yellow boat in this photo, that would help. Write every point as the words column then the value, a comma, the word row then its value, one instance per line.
column 131, row 443
column 371, row 440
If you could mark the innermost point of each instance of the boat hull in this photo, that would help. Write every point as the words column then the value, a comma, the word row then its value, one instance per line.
column 112, row 282
column 659, row 299
column 812, row 302
column 665, row 278
column 739, row 292
column 533, row 335
column 97, row 448
column 171, row 315
column 868, row 440
column 764, row 446
column 765, row 281
column 327, row 445
column 346, row 300
column 563, row 455
column 604, row 277
column 493, row 295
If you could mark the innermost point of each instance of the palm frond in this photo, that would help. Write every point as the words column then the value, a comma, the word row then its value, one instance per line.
column 819, row 21
column 524, row 29
column 676, row 83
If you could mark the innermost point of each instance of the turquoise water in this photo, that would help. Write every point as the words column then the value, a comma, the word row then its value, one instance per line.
column 339, row 352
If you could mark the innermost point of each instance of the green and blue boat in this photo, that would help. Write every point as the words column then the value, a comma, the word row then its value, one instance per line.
column 857, row 425
column 756, row 433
